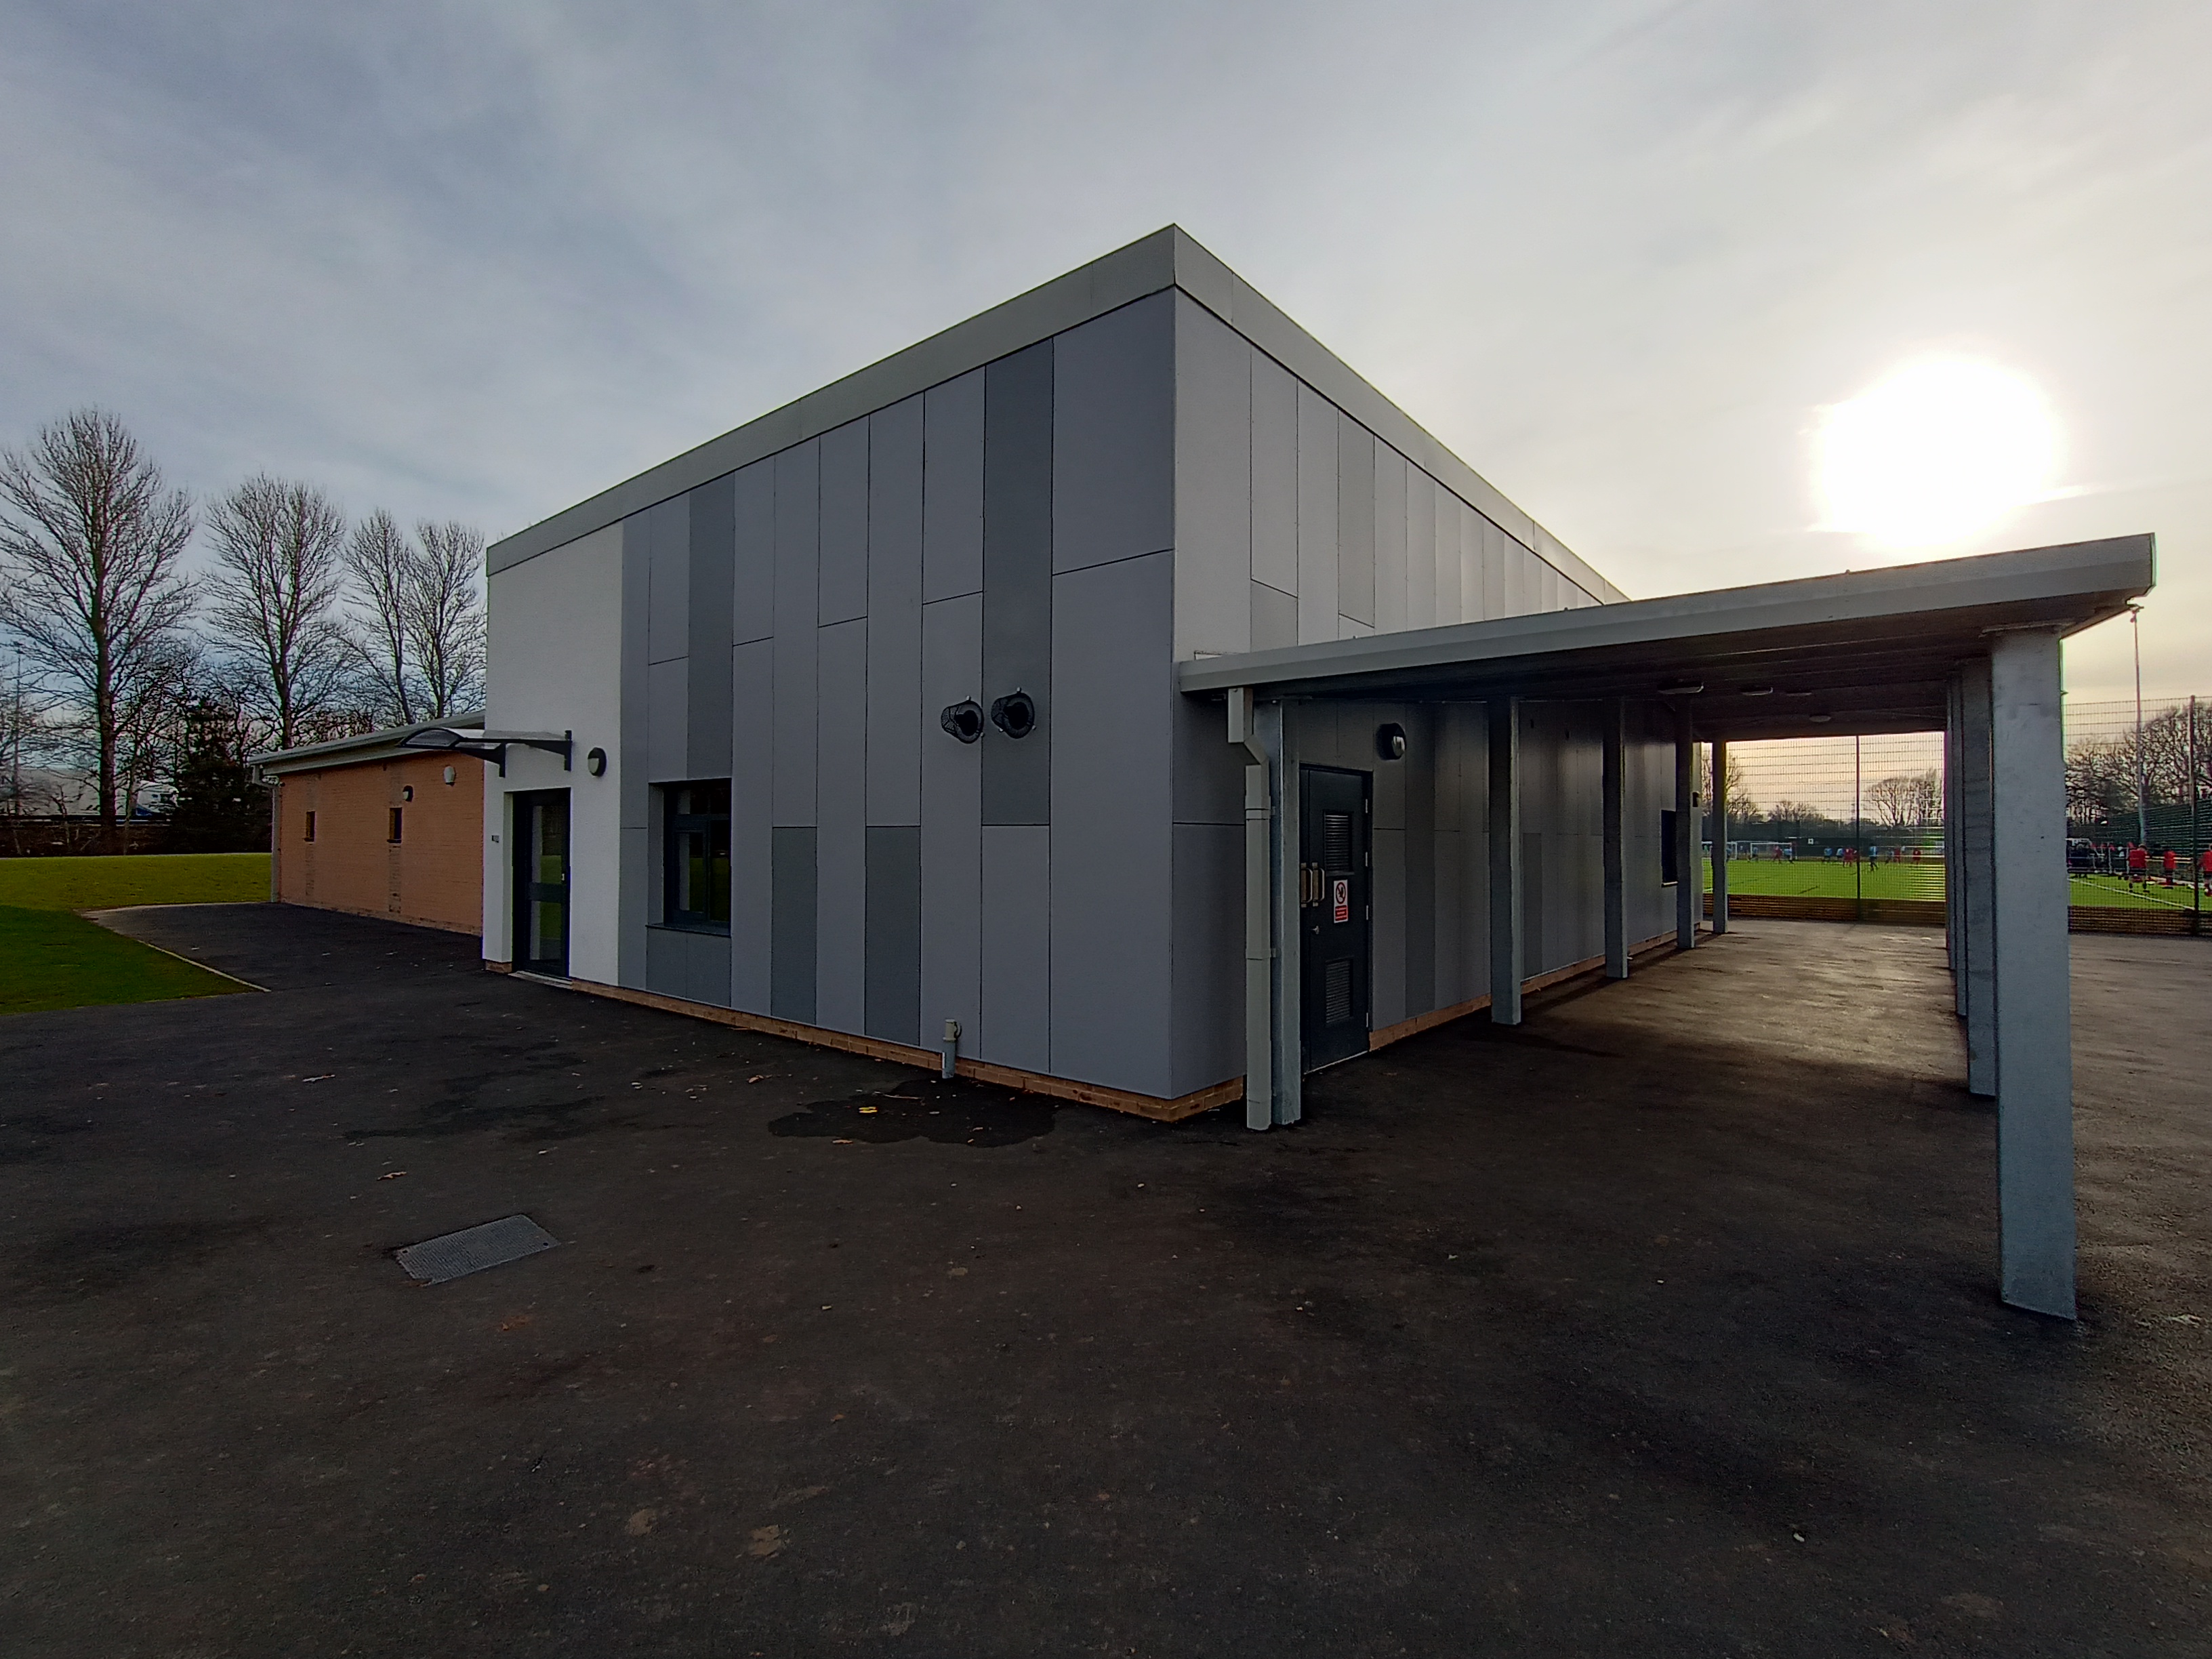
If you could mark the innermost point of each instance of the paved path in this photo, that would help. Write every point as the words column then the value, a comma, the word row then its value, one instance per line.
column 1663, row 1326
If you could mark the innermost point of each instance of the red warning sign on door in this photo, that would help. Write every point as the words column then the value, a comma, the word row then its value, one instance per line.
column 1340, row 897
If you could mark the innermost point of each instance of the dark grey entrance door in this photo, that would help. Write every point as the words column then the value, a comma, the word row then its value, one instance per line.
column 541, row 882
column 1334, row 912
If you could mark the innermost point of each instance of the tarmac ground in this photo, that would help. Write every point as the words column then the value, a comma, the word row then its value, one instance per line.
column 1664, row 1324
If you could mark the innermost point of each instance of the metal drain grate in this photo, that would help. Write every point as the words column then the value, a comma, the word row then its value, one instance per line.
column 473, row 1249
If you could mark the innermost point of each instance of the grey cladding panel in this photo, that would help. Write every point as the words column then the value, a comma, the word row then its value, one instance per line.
column 1391, row 603
column 1017, row 581
column 1274, row 478
column 841, row 817
column 752, row 675
column 668, row 540
column 1113, row 436
column 1214, row 484
column 1274, row 619
column 1111, row 807
column 1318, row 580
column 1355, row 520
column 752, row 599
column 636, row 795
column 666, row 700
column 797, row 546
column 844, row 567
column 952, row 501
column 952, row 815
column 1421, row 560
column 897, row 719
column 791, row 950
column 894, row 899
column 1209, row 957
column 1388, row 981
column 1017, row 930
column 712, row 534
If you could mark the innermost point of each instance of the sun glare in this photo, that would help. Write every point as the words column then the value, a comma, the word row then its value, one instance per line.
column 1935, row 452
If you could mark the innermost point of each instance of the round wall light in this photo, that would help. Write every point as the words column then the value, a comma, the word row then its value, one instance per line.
column 596, row 763
column 964, row 720
column 450, row 776
column 1390, row 740
column 1015, row 714
column 407, row 791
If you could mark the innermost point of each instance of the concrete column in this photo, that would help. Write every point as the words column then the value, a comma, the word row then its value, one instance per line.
column 1259, row 914
column 1953, row 951
column 1505, row 860
column 1689, row 883
column 1277, row 730
column 1720, row 837
column 1977, row 919
column 2035, row 1054
column 1616, row 840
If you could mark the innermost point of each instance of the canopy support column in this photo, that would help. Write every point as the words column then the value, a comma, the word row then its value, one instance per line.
column 1616, row 837
column 1689, row 883
column 1504, row 714
column 2035, row 1055
column 1720, row 835
column 1954, row 953
column 1259, row 913
column 1977, row 918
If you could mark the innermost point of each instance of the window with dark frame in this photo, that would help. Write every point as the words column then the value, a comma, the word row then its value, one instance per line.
column 311, row 826
column 695, row 866
column 392, row 834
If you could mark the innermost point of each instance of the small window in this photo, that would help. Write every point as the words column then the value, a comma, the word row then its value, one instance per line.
column 392, row 832
column 695, row 855
column 311, row 826
column 1670, row 872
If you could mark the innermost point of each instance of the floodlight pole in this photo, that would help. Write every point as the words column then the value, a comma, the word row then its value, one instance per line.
column 2142, row 821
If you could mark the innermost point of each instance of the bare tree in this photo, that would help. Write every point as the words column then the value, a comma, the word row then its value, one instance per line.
column 278, row 574
column 90, row 535
column 151, row 722
column 1906, row 801
column 445, row 621
column 382, row 562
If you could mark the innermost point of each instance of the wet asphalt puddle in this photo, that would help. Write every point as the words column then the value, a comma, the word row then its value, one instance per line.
column 960, row 1113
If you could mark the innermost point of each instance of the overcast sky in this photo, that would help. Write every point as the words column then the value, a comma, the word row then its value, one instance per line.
column 483, row 260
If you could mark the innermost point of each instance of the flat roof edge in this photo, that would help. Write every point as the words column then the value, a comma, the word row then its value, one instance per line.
column 2098, row 573
column 1170, row 257
column 1143, row 267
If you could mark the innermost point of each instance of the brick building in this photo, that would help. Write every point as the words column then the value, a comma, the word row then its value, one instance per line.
column 367, row 826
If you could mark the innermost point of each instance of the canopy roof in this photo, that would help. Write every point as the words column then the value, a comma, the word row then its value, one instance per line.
column 1863, row 651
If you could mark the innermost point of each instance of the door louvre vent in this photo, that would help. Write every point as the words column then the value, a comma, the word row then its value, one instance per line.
column 1336, row 840
column 1336, row 992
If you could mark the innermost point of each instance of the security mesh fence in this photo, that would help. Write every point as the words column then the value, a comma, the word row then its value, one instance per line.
column 1862, row 818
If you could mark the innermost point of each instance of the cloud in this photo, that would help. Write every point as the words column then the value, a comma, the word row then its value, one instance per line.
column 482, row 260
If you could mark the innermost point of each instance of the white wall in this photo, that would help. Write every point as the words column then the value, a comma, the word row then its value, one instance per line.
column 554, row 665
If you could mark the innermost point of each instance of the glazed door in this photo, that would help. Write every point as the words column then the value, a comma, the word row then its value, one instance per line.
column 541, row 883
column 1335, row 913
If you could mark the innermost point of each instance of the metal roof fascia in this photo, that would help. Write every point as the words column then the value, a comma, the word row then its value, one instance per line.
column 1170, row 257
column 1144, row 267
column 2089, row 570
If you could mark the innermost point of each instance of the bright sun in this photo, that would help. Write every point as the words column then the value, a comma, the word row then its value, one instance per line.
column 1935, row 452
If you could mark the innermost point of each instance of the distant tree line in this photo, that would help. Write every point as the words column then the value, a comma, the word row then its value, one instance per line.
column 129, row 672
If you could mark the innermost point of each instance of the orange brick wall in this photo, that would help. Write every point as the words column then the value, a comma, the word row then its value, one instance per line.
column 435, row 876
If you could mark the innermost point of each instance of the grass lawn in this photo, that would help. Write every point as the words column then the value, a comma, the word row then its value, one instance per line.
column 144, row 879
column 51, row 959
column 1819, row 878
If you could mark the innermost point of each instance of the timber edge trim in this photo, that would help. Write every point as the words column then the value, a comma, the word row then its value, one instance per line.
column 1436, row 1017
column 982, row 1071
